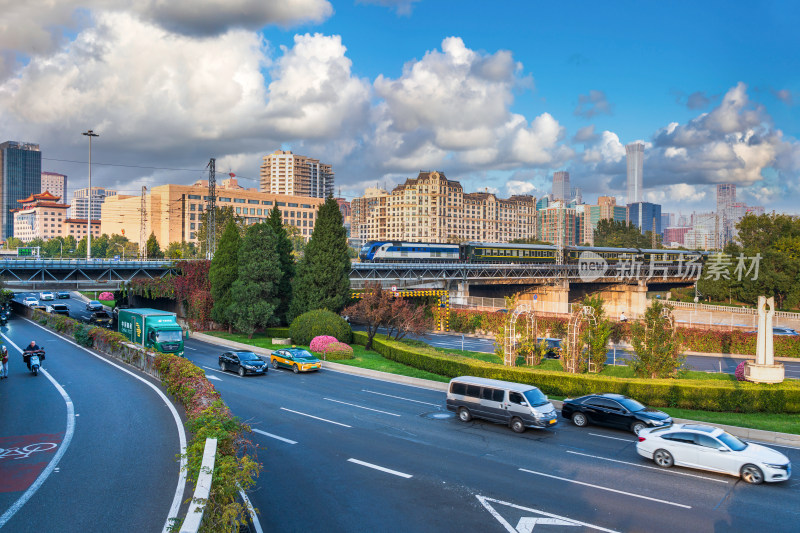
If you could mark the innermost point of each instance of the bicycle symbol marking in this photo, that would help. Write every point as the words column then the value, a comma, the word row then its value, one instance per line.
column 21, row 453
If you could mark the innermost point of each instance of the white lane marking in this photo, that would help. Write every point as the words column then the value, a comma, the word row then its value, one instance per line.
column 382, row 469
column 273, row 436
column 401, row 398
column 667, row 502
column 188, row 348
column 485, row 502
column 231, row 374
column 316, row 417
column 51, row 466
column 252, row 511
column 215, row 378
column 607, row 437
column 178, row 498
column 527, row 523
column 666, row 471
column 361, row 407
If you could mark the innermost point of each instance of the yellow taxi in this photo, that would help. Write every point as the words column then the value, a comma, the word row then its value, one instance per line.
column 297, row 359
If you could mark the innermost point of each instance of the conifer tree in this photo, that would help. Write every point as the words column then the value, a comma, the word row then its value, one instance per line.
column 223, row 272
column 286, row 263
column 152, row 248
column 323, row 274
column 255, row 291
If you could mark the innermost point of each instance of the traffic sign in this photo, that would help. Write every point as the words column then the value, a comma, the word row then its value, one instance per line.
column 535, row 297
column 394, row 288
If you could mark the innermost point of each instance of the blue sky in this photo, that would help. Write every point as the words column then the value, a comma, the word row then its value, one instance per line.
column 493, row 94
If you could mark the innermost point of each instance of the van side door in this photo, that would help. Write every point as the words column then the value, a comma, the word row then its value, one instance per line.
column 518, row 406
column 492, row 405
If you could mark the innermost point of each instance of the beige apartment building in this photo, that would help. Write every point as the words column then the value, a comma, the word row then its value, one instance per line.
column 172, row 212
column 432, row 208
column 42, row 216
column 55, row 184
column 283, row 172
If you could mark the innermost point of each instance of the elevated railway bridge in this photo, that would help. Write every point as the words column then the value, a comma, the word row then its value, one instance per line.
column 74, row 274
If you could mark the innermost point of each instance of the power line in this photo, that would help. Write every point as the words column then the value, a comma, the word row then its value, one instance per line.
column 125, row 166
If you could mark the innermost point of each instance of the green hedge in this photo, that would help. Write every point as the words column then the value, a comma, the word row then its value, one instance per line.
column 319, row 322
column 711, row 395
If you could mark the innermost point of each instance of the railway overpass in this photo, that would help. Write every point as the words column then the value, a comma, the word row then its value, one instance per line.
column 623, row 285
column 95, row 274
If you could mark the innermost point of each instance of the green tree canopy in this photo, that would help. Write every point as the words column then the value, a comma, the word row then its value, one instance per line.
column 223, row 272
column 618, row 234
column 656, row 344
column 255, row 291
column 153, row 250
column 323, row 275
column 224, row 215
column 286, row 262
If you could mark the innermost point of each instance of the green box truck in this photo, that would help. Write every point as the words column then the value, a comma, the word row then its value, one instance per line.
column 152, row 328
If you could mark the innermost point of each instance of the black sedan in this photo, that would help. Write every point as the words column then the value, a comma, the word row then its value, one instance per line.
column 101, row 319
column 94, row 305
column 613, row 410
column 63, row 295
column 243, row 362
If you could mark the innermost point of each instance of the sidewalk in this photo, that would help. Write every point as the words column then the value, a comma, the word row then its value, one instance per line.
column 785, row 439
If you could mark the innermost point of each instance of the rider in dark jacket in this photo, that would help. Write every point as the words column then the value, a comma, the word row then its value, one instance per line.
column 29, row 349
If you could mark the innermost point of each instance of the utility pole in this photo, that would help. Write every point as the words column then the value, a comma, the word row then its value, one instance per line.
column 211, row 206
column 143, row 225
column 89, row 134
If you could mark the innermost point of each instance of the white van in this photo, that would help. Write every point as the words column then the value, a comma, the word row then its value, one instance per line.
column 517, row 405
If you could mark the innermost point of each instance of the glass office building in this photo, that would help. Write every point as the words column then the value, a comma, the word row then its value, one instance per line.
column 20, row 177
column 645, row 216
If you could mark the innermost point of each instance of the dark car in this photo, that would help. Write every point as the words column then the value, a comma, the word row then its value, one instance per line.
column 243, row 362
column 553, row 347
column 94, row 305
column 58, row 309
column 63, row 295
column 613, row 410
column 100, row 319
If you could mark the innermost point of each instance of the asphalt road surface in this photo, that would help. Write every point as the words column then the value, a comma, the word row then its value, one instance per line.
column 727, row 365
column 346, row 453
column 116, row 466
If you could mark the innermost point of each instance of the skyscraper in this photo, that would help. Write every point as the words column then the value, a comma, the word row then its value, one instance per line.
column 20, row 177
column 726, row 195
column 635, row 157
column 646, row 216
column 55, row 184
column 561, row 189
column 283, row 172
column 80, row 202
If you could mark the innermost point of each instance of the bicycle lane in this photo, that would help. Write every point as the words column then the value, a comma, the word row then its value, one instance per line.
column 120, row 470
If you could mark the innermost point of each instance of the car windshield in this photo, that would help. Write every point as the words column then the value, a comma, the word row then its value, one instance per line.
column 732, row 442
column 100, row 314
column 248, row 356
column 169, row 336
column 632, row 405
column 535, row 397
column 94, row 302
column 302, row 354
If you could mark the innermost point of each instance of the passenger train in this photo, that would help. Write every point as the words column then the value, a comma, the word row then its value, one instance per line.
column 479, row 252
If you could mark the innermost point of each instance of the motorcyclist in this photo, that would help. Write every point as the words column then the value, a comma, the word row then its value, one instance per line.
column 29, row 350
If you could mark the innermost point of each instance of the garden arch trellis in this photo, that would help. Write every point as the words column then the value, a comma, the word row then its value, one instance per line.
column 510, row 340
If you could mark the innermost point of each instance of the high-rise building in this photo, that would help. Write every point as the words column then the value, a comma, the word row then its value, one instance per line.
column 635, row 158
column 432, row 208
column 675, row 236
column 20, row 178
column 283, row 172
column 558, row 224
column 726, row 195
column 704, row 233
column 577, row 195
column 667, row 220
column 80, row 202
column 606, row 209
column 173, row 212
column 55, row 184
column 561, row 188
column 646, row 216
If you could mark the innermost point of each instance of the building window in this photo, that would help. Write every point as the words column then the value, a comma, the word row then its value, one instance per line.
column 238, row 200
column 194, row 197
column 306, row 206
column 266, row 202
column 259, row 211
column 191, row 226
column 224, row 199
column 192, row 207
column 292, row 205
column 192, row 235
column 191, row 217
column 280, row 204
column 238, row 210
column 252, row 202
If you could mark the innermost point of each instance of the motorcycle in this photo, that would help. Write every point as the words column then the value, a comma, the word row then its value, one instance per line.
column 36, row 359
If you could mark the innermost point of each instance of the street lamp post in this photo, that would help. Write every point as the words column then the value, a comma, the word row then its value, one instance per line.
column 89, row 134
column 123, row 250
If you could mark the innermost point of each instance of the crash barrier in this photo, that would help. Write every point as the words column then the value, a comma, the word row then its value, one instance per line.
column 194, row 516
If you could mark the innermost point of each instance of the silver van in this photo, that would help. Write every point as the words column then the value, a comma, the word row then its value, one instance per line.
column 517, row 405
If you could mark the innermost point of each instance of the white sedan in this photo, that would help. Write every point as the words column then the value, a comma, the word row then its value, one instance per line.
column 710, row 448
column 44, row 296
column 30, row 301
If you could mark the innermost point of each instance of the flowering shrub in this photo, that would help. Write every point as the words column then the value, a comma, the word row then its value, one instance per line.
column 320, row 342
column 739, row 373
column 105, row 296
column 337, row 350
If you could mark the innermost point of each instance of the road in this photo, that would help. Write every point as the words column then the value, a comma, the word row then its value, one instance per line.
column 701, row 363
column 346, row 453
column 115, row 468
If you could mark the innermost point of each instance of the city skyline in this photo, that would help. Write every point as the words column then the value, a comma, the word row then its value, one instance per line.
column 380, row 89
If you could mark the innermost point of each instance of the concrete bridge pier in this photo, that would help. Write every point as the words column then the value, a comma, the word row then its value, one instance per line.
column 630, row 299
column 549, row 298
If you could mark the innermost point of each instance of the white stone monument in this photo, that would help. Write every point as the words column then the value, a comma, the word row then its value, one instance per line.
column 764, row 370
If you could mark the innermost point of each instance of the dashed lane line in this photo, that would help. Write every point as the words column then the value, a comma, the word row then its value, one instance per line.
column 380, row 468
column 361, row 407
column 270, row 435
column 608, row 437
column 648, row 467
column 400, row 398
column 315, row 417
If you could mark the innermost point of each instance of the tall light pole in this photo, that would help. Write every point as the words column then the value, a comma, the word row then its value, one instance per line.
column 89, row 134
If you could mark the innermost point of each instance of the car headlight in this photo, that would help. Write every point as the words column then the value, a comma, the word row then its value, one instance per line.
column 657, row 422
column 777, row 467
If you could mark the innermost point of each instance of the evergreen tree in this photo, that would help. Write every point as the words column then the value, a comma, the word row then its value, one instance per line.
column 656, row 344
column 152, row 249
column 255, row 291
column 323, row 275
column 286, row 262
column 223, row 272
column 223, row 216
column 618, row 234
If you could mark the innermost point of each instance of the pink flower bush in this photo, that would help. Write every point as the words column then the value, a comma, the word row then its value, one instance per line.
column 739, row 373
column 105, row 296
column 319, row 343
column 337, row 350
